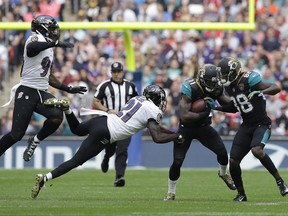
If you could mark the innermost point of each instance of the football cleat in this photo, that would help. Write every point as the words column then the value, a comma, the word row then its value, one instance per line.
column 63, row 104
column 29, row 151
column 169, row 196
column 38, row 185
column 240, row 198
column 283, row 189
column 228, row 181
column 119, row 182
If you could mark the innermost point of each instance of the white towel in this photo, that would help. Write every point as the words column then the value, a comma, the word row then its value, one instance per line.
column 12, row 94
column 85, row 111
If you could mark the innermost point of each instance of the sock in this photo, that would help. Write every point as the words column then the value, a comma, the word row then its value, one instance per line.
column 48, row 176
column 279, row 181
column 68, row 112
column 172, row 186
column 222, row 170
column 36, row 139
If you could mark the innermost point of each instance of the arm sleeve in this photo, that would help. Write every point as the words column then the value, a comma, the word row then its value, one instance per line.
column 35, row 47
column 230, row 108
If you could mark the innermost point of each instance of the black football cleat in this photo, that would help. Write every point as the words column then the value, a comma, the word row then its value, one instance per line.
column 283, row 189
column 119, row 182
column 29, row 151
column 240, row 198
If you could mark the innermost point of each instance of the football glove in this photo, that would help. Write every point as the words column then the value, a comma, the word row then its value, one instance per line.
column 210, row 102
column 254, row 93
column 77, row 90
column 63, row 44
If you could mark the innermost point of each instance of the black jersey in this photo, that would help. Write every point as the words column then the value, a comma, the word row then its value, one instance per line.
column 254, row 111
column 194, row 91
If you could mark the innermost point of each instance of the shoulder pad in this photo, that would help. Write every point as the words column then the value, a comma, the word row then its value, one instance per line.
column 254, row 78
column 186, row 89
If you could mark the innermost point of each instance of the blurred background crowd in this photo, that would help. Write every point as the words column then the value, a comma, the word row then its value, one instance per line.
column 165, row 57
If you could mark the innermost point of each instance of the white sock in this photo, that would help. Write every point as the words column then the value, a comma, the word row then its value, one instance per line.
column 172, row 186
column 68, row 112
column 223, row 170
column 48, row 176
column 36, row 139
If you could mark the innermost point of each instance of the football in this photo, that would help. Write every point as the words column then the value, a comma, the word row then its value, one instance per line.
column 198, row 105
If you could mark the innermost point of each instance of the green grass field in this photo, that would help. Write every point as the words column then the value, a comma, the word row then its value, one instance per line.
column 91, row 192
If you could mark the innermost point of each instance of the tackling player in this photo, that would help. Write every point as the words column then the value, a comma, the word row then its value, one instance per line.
column 139, row 112
column 32, row 89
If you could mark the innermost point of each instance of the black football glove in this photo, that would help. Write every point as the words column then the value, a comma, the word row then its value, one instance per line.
column 77, row 90
column 63, row 44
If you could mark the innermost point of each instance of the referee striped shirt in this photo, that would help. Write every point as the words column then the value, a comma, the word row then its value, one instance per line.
column 115, row 95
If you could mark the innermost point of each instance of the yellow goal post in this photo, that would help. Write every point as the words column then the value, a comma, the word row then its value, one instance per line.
column 125, row 27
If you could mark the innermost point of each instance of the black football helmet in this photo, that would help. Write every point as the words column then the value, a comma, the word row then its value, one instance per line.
column 47, row 26
column 209, row 77
column 230, row 70
column 157, row 95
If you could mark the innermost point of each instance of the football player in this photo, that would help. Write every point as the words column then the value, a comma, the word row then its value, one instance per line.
column 197, row 125
column 139, row 112
column 247, row 91
column 32, row 90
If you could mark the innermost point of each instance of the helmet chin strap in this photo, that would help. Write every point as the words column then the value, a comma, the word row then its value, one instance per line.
column 46, row 38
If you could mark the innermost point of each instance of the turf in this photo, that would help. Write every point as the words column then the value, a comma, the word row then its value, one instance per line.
column 90, row 192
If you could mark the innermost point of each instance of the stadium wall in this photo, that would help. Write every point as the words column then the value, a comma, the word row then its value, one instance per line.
column 55, row 150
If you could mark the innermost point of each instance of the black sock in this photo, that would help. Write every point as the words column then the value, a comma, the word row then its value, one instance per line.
column 279, row 181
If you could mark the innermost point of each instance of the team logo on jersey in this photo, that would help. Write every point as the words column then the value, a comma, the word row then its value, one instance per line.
column 20, row 94
column 158, row 118
column 104, row 141
column 241, row 86
column 34, row 38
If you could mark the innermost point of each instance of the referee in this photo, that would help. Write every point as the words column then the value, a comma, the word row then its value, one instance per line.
column 110, row 96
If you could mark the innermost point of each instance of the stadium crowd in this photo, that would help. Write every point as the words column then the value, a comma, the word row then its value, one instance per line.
column 165, row 57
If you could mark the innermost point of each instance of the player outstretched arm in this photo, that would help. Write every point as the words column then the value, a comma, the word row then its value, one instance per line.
column 54, row 82
column 160, row 134
column 267, row 88
column 35, row 47
column 226, row 104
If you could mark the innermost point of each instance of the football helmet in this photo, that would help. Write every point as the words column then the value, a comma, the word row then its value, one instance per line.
column 209, row 77
column 157, row 95
column 47, row 26
column 230, row 70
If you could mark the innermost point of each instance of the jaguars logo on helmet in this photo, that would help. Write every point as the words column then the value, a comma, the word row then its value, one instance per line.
column 230, row 70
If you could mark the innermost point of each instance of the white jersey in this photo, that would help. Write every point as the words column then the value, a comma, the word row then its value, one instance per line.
column 132, row 118
column 36, row 70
